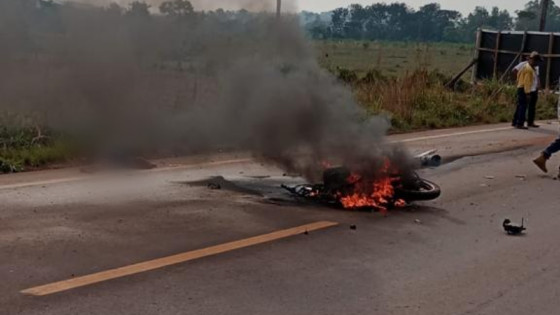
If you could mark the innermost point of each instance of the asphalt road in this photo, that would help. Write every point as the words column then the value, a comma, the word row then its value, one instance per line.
column 449, row 256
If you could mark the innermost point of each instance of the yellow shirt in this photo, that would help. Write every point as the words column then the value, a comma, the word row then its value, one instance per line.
column 526, row 78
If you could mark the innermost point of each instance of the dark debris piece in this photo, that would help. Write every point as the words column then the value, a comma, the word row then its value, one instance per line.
column 214, row 186
column 512, row 229
column 219, row 182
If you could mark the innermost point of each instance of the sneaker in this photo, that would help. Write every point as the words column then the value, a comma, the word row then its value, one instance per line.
column 540, row 162
column 534, row 126
column 521, row 127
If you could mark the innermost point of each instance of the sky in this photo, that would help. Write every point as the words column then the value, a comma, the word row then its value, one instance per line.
column 463, row 6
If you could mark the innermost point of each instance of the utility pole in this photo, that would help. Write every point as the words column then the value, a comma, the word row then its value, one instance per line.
column 544, row 13
column 279, row 8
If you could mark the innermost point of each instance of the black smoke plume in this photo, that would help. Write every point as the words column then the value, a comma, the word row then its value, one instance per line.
column 182, row 82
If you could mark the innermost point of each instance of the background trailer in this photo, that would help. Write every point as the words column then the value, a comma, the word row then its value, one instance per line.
column 498, row 53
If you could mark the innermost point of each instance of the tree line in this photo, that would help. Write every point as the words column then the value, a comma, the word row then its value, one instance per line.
column 379, row 21
column 397, row 21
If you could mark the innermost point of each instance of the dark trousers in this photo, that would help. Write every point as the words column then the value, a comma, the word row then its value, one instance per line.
column 525, row 105
column 521, row 111
column 553, row 148
column 532, row 108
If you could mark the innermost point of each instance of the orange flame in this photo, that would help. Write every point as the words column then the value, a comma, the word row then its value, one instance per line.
column 378, row 193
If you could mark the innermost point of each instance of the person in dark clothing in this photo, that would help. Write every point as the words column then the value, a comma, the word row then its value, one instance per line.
column 546, row 154
column 519, row 117
column 532, row 108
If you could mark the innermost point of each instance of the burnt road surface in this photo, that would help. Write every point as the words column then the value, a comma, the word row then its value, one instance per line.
column 449, row 256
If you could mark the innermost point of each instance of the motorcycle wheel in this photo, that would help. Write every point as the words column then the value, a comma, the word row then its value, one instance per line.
column 424, row 190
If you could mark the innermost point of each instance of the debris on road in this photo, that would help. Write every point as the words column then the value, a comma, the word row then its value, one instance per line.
column 429, row 159
column 418, row 221
column 353, row 227
column 489, row 177
column 291, row 175
column 214, row 186
column 513, row 229
column 521, row 177
column 220, row 183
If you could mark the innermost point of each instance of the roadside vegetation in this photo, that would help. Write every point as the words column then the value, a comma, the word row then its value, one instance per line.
column 419, row 100
column 26, row 148
column 406, row 82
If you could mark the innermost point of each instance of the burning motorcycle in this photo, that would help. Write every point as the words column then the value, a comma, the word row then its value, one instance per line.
column 387, row 189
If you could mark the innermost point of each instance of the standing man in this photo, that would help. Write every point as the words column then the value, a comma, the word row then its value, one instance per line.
column 532, row 105
column 527, row 97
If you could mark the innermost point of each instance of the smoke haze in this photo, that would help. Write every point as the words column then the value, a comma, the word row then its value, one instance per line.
column 182, row 84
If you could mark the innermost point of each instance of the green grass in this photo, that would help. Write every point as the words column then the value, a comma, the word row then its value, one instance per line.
column 392, row 58
column 21, row 149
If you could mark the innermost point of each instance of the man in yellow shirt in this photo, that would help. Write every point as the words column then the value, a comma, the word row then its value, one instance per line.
column 525, row 83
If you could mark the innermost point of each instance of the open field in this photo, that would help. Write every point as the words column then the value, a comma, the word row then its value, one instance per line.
column 393, row 58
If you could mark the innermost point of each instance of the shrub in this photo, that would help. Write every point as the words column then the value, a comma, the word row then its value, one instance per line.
column 346, row 75
column 25, row 147
column 418, row 100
